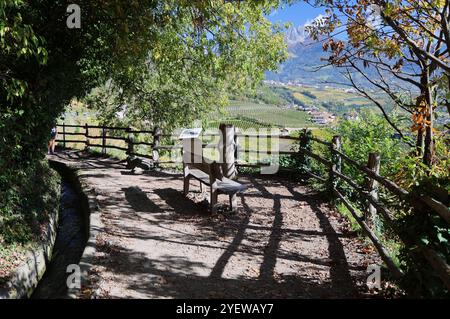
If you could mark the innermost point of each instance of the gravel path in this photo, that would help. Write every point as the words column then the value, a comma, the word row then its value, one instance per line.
column 283, row 242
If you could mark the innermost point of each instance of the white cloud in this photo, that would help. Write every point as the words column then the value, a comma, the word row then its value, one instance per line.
column 374, row 15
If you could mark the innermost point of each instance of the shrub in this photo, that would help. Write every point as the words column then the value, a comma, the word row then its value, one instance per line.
column 371, row 133
column 422, row 226
column 25, row 202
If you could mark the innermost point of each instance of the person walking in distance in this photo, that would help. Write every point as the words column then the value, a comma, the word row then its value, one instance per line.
column 52, row 142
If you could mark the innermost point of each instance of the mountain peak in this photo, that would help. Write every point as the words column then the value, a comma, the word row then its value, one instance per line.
column 295, row 35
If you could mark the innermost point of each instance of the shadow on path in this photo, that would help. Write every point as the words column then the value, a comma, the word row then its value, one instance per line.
column 139, row 200
column 162, row 244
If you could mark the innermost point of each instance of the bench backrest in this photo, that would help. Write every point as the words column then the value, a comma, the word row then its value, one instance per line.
column 212, row 168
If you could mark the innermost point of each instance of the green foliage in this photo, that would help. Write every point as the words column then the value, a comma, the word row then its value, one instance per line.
column 309, row 94
column 297, row 161
column 289, row 161
column 343, row 210
column 241, row 122
column 431, row 231
column 412, row 172
column 422, row 226
column 304, row 161
column 370, row 133
column 24, row 211
column 25, row 208
column 319, row 148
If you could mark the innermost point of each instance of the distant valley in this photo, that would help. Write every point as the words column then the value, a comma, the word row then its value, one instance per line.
column 306, row 62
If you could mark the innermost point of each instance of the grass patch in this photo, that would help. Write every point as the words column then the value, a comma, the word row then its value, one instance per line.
column 343, row 210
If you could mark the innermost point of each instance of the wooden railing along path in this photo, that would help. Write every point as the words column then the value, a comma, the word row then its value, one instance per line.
column 369, row 194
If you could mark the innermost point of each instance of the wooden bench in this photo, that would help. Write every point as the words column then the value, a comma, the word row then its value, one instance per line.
column 210, row 174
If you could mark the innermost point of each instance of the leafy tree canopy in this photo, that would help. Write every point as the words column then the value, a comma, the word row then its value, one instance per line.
column 405, row 44
column 197, row 57
column 167, row 59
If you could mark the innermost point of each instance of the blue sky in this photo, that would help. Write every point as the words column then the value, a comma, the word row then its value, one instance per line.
column 298, row 13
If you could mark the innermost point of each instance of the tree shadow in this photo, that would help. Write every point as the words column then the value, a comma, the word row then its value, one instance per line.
column 175, row 277
column 270, row 253
column 139, row 201
column 182, row 205
column 339, row 270
column 219, row 267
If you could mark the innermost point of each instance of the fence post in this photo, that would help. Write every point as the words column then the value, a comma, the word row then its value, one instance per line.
column 103, row 141
column 130, row 140
column 64, row 134
column 156, row 142
column 227, row 150
column 373, row 163
column 335, row 162
column 86, row 134
column 236, row 145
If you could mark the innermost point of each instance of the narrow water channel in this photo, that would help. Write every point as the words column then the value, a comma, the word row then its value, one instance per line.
column 69, row 246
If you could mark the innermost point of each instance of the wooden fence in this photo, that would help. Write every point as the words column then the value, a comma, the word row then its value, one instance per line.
column 154, row 139
column 84, row 135
column 368, row 192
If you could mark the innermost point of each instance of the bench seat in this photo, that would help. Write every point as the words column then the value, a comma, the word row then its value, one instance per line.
column 210, row 174
column 228, row 186
column 224, row 186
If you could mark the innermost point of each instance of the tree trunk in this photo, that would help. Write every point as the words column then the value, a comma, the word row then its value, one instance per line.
column 428, row 150
column 447, row 101
column 419, row 143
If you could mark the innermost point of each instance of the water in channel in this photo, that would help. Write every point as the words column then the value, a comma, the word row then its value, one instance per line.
column 69, row 246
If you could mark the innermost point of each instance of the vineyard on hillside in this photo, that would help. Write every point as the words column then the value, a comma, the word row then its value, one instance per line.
column 244, row 114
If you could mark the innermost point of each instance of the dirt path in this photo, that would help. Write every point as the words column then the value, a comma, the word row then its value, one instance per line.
column 282, row 243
